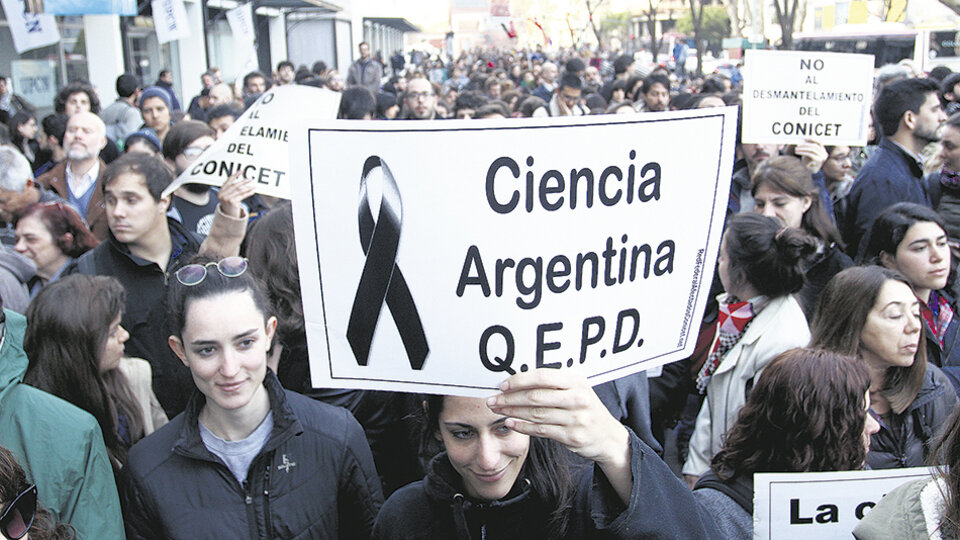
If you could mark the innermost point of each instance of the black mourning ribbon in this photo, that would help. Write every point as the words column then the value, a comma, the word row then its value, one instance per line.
column 381, row 278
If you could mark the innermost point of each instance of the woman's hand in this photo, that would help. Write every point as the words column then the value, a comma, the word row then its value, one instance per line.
column 812, row 154
column 233, row 192
column 562, row 406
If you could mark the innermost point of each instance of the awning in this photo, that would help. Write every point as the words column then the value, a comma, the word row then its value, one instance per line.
column 397, row 23
column 322, row 4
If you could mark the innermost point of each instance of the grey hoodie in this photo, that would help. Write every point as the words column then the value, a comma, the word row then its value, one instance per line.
column 15, row 272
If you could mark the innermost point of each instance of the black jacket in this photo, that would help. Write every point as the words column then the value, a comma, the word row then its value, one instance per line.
column 434, row 508
column 314, row 478
column 145, row 311
column 905, row 440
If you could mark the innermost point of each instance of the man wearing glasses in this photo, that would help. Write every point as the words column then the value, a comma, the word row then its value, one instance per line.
column 566, row 98
column 420, row 101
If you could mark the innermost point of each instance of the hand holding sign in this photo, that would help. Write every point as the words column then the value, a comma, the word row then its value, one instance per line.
column 233, row 192
column 812, row 154
column 562, row 406
column 256, row 145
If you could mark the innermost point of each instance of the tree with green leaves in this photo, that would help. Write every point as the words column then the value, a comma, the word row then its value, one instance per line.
column 707, row 23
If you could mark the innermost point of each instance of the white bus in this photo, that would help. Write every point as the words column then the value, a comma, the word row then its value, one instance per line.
column 889, row 43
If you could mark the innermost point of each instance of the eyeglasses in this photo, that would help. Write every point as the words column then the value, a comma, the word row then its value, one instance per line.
column 192, row 151
column 17, row 519
column 194, row 274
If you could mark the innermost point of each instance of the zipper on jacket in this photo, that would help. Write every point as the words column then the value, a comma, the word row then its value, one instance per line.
column 251, row 510
column 266, row 495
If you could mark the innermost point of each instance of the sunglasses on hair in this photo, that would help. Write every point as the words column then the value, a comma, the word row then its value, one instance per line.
column 17, row 519
column 194, row 274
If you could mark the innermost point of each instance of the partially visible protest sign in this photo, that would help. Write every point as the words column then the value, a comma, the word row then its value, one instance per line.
column 442, row 257
column 820, row 505
column 90, row 7
column 257, row 143
column 789, row 96
column 240, row 19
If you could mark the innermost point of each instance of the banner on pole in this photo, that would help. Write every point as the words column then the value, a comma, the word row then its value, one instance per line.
column 442, row 257
column 90, row 7
column 789, row 96
column 257, row 143
column 29, row 30
column 244, row 38
column 824, row 505
column 170, row 20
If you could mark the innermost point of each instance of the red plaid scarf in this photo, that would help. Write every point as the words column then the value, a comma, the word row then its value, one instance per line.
column 937, row 315
column 732, row 322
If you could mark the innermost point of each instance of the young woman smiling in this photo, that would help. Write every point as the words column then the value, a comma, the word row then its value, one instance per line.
column 912, row 239
column 873, row 313
column 503, row 471
column 246, row 459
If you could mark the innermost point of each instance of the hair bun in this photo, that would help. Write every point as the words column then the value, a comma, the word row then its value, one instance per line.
column 794, row 244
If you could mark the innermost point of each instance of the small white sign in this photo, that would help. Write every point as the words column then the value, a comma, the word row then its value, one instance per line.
column 35, row 80
column 257, row 143
column 170, row 20
column 824, row 505
column 789, row 96
column 29, row 30
column 442, row 257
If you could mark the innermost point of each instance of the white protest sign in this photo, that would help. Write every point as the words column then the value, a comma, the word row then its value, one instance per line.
column 257, row 143
column 29, row 30
column 443, row 257
column 820, row 505
column 34, row 80
column 789, row 96
column 170, row 20
column 244, row 38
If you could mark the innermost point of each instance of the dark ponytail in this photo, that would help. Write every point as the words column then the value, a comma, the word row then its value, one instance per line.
column 766, row 254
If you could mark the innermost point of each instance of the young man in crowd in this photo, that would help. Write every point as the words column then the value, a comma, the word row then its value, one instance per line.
column 655, row 93
column 566, row 99
column 254, row 83
column 419, row 101
column 122, row 117
column 909, row 115
column 221, row 117
column 365, row 71
column 145, row 247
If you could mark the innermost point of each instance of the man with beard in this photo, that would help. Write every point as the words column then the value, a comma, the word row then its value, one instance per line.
column 77, row 179
column 909, row 114
column 419, row 101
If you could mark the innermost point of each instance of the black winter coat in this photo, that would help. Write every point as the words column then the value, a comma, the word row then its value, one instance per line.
column 904, row 440
column 314, row 478
column 435, row 508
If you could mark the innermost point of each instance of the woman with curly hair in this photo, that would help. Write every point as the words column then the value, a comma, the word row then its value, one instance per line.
column 808, row 413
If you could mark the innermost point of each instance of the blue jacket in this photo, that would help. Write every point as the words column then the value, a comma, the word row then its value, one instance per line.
column 890, row 176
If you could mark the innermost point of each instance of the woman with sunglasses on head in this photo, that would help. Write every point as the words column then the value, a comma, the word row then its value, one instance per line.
column 82, row 364
column 21, row 514
column 505, row 470
column 808, row 413
column 873, row 313
column 246, row 458
column 52, row 235
column 912, row 240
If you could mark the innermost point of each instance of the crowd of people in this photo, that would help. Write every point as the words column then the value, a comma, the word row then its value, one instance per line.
column 154, row 370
